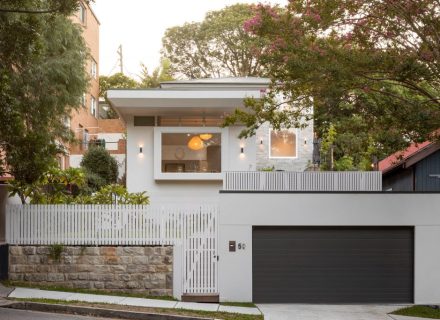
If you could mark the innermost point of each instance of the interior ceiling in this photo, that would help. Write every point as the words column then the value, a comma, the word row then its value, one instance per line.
column 177, row 139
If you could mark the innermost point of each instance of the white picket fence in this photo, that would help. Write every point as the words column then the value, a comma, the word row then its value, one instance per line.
column 302, row 181
column 192, row 228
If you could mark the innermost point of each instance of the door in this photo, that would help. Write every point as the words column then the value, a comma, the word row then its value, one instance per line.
column 333, row 264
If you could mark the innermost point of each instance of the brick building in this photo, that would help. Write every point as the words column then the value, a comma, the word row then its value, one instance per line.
column 85, row 122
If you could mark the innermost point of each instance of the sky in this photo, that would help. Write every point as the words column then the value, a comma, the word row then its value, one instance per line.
column 138, row 25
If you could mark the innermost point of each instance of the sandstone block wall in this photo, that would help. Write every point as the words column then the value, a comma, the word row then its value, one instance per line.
column 112, row 268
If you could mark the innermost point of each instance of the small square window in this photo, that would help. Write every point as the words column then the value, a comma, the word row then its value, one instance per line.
column 283, row 144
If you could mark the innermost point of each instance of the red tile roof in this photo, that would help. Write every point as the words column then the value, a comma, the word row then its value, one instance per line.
column 400, row 156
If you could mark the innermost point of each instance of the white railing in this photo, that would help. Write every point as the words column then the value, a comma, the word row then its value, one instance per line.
column 302, row 181
column 104, row 224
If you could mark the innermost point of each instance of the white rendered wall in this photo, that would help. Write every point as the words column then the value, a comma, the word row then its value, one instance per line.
column 140, row 168
column 240, row 211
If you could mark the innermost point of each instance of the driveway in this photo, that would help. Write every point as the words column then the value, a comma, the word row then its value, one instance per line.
column 327, row 312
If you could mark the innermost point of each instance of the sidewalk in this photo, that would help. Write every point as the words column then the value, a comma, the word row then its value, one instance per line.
column 25, row 293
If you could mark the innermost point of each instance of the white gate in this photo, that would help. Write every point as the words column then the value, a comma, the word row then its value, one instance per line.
column 200, row 253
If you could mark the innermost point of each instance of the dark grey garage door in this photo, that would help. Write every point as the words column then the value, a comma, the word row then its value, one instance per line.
column 333, row 264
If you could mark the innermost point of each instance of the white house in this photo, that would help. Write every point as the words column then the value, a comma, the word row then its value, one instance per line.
column 177, row 149
column 313, row 237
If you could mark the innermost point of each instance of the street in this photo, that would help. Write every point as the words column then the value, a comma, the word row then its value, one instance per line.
column 12, row 314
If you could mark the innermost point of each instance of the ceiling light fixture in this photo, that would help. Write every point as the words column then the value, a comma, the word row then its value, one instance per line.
column 205, row 136
column 195, row 143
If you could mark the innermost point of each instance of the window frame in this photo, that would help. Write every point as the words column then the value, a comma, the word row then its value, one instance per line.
column 82, row 14
column 157, row 151
column 94, row 69
column 93, row 106
column 293, row 130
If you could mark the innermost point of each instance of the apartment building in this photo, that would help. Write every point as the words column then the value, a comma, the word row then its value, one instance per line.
column 86, row 122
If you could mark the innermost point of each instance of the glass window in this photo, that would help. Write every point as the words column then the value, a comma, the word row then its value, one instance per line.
column 83, row 99
column 191, row 152
column 93, row 106
column 82, row 13
column 86, row 139
column 93, row 70
column 283, row 144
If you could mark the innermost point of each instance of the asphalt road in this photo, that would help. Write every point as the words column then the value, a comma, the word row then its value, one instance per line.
column 11, row 314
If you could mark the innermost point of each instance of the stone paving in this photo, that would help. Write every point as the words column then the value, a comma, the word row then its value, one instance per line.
column 26, row 293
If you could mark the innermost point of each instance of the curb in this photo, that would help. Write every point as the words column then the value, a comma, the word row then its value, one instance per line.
column 96, row 312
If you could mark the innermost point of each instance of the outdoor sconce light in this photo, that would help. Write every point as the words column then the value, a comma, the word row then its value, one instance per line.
column 305, row 141
column 261, row 141
column 242, row 150
column 141, row 151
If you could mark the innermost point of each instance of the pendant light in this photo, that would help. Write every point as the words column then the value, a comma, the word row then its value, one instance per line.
column 205, row 136
column 195, row 143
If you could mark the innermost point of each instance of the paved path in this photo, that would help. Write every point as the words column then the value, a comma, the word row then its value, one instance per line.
column 11, row 314
column 329, row 312
column 26, row 293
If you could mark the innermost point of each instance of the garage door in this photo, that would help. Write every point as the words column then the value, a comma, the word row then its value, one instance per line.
column 333, row 264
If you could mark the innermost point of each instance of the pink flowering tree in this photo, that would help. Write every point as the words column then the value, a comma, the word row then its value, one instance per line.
column 370, row 68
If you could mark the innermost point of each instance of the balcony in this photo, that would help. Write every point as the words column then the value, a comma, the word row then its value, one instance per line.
column 324, row 181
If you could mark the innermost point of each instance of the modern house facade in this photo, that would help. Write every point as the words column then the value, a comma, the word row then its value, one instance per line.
column 283, row 236
column 177, row 149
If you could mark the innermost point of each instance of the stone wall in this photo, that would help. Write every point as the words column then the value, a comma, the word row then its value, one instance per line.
column 112, row 268
column 305, row 150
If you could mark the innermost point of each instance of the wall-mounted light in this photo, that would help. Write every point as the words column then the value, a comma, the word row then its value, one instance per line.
column 305, row 141
column 261, row 141
column 141, row 151
column 242, row 150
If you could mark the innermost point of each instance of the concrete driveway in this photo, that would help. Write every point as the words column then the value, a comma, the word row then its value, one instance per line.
column 327, row 312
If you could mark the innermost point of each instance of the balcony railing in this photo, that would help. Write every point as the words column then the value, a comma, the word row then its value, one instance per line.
column 302, row 181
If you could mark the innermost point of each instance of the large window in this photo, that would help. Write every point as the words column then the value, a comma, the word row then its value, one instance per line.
column 283, row 144
column 188, row 153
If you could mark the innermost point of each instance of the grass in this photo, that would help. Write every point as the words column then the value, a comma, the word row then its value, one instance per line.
column 8, row 283
column 183, row 312
column 239, row 304
column 419, row 311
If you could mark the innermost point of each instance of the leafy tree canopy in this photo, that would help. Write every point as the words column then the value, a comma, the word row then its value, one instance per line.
column 369, row 68
column 42, row 78
column 216, row 47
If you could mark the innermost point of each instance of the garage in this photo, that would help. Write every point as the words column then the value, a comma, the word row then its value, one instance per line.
column 333, row 264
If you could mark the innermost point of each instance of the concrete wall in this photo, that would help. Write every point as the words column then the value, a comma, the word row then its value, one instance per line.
column 125, row 269
column 304, row 149
column 240, row 211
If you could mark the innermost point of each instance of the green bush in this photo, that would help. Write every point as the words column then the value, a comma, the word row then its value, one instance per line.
column 100, row 167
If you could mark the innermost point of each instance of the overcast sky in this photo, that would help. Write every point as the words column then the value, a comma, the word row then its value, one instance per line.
column 140, row 24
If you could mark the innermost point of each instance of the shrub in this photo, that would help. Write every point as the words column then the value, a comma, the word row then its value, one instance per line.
column 100, row 167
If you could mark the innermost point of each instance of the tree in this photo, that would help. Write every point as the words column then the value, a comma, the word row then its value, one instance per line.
column 369, row 68
column 216, row 47
column 116, row 81
column 100, row 167
column 160, row 74
column 42, row 78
